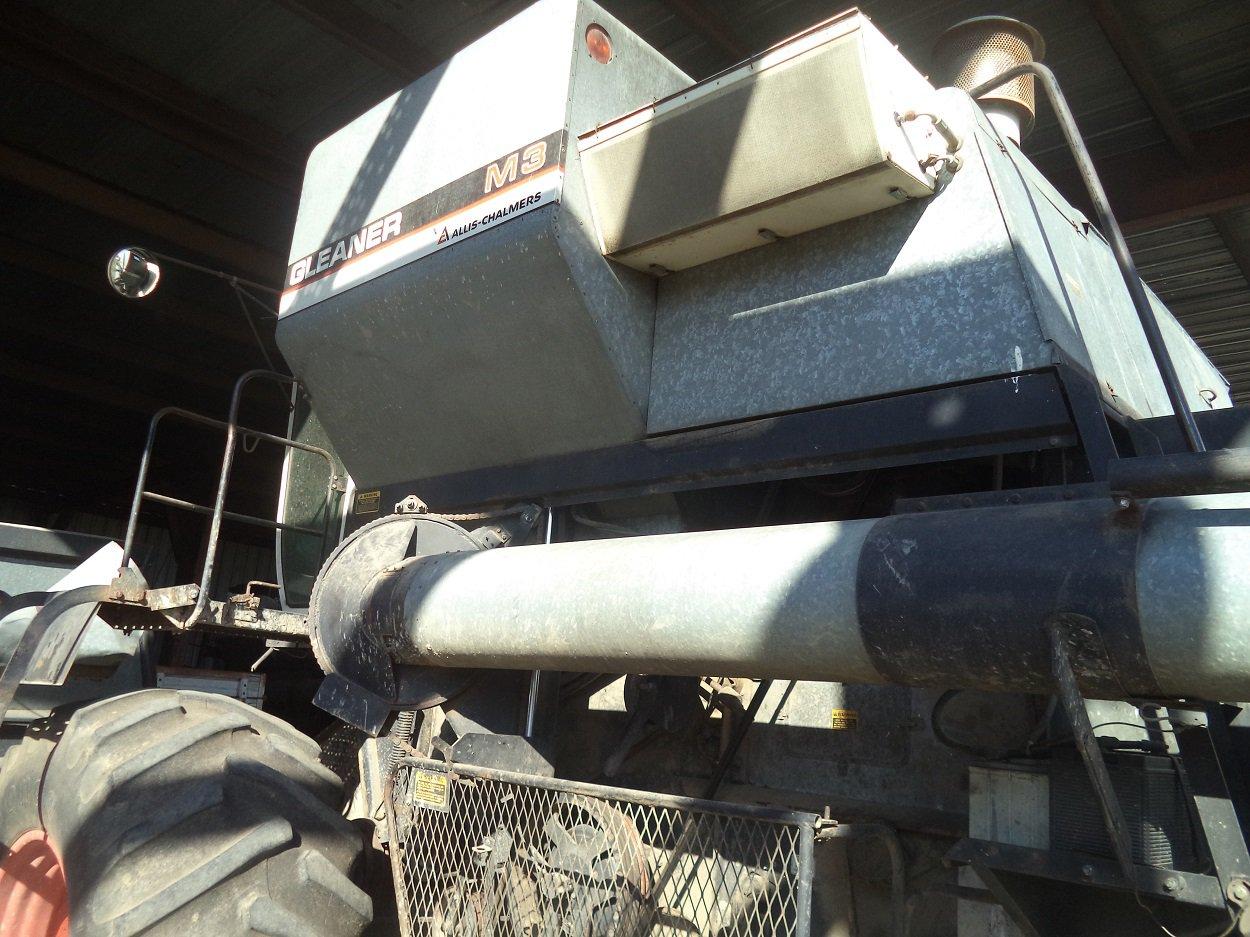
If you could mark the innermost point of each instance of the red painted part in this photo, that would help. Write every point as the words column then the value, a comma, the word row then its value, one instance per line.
column 33, row 899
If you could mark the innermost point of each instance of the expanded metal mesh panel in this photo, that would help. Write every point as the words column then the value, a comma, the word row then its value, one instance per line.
column 480, row 852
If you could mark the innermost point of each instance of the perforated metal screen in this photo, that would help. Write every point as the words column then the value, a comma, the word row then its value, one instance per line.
column 479, row 852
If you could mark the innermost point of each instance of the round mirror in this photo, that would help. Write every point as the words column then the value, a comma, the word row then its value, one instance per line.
column 132, row 273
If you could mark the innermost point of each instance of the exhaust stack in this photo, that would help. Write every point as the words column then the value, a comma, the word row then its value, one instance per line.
column 977, row 49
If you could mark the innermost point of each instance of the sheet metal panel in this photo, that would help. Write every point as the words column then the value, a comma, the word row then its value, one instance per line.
column 799, row 137
column 921, row 294
column 993, row 275
column 514, row 342
column 1079, row 295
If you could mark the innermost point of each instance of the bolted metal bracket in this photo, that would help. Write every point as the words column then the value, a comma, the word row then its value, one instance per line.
column 1238, row 894
column 508, row 528
column 411, row 504
column 184, row 596
column 129, row 586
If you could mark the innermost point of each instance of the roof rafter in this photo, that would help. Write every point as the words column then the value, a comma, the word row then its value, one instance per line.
column 75, row 188
column 1236, row 241
column 65, row 381
column 711, row 24
column 368, row 35
column 1153, row 186
column 1124, row 43
column 90, row 277
column 136, row 358
column 56, row 52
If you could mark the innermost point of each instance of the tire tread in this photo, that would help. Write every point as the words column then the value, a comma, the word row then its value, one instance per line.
column 186, row 814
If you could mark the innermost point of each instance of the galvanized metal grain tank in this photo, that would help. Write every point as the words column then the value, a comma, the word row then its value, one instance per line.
column 447, row 304
column 995, row 274
column 453, row 302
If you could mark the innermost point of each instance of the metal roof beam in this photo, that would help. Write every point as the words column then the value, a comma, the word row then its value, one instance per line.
column 56, row 52
column 74, row 188
column 64, row 381
column 711, row 25
column 86, row 418
column 97, row 440
column 374, row 39
column 1124, row 43
column 84, row 470
column 130, row 357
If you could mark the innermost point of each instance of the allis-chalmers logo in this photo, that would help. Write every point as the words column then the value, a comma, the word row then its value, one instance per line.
column 499, row 175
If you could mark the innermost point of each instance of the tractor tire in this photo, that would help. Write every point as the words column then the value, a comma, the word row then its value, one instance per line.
column 192, row 814
column 33, row 898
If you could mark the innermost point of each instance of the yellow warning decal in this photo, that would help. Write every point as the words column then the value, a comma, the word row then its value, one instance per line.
column 843, row 719
column 368, row 502
column 429, row 789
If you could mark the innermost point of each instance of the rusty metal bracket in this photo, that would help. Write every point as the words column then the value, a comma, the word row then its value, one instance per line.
column 128, row 586
column 218, row 616
column 508, row 528
column 159, row 600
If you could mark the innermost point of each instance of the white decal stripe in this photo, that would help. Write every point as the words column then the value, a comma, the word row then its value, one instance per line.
column 423, row 241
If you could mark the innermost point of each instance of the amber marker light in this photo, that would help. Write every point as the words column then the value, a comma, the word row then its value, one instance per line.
column 599, row 43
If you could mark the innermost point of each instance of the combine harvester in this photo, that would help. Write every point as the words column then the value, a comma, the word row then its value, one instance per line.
column 759, row 506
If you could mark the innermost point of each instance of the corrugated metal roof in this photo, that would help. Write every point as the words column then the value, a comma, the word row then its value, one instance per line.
column 1194, row 272
column 259, row 58
column 47, row 119
column 1198, row 50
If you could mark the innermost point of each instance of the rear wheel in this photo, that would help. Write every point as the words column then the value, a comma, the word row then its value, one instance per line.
column 189, row 814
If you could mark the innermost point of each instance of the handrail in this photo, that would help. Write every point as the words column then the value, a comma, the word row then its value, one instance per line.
column 1111, row 228
column 218, row 512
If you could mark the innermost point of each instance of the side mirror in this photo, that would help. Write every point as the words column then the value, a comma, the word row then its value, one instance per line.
column 133, row 273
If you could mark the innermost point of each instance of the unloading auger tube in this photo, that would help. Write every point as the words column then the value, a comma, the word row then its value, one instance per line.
column 1152, row 593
